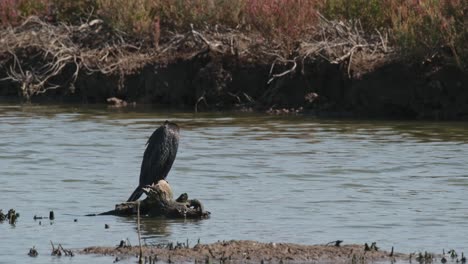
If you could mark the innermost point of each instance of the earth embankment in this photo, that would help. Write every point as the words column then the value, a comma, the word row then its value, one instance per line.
column 341, row 71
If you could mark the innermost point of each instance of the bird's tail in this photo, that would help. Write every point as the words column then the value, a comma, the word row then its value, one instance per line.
column 136, row 194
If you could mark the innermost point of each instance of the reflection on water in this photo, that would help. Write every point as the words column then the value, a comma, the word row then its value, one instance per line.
column 269, row 178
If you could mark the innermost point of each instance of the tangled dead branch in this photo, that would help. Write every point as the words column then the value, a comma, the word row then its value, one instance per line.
column 91, row 46
column 40, row 56
column 338, row 42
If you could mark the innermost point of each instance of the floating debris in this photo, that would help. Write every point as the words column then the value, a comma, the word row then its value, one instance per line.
column 106, row 226
column 55, row 251
column 366, row 247
column 11, row 216
column 33, row 252
column 373, row 247
column 51, row 216
column 38, row 217
column 67, row 252
column 443, row 260
column 336, row 243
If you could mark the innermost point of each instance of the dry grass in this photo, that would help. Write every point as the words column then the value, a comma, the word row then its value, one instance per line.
column 418, row 28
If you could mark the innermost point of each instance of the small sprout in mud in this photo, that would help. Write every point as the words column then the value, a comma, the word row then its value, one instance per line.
column 51, row 215
column 336, row 243
column 12, row 216
column 67, row 251
column 55, row 251
column 391, row 253
column 33, row 252
column 123, row 244
column 420, row 258
column 428, row 257
column 153, row 260
column 443, row 260
column 366, row 247
column 106, row 226
column 453, row 254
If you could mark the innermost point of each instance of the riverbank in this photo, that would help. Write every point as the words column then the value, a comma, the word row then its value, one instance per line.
column 340, row 68
column 246, row 251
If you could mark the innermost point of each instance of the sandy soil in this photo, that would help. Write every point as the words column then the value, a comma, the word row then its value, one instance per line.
column 245, row 251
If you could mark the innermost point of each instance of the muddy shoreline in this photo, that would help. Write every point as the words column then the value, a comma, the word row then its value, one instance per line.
column 246, row 251
column 223, row 69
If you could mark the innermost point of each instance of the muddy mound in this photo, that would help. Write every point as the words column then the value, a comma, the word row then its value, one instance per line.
column 246, row 251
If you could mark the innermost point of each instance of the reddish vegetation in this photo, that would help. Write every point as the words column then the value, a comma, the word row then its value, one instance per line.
column 418, row 27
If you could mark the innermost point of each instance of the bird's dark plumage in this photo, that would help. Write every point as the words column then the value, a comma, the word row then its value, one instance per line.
column 159, row 156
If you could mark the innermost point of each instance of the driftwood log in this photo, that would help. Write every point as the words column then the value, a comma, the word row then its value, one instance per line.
column 160, row 203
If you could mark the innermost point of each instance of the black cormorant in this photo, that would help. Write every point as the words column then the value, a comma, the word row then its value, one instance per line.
column 159, row 156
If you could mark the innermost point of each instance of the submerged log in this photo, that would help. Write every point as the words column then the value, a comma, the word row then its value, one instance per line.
column 160, row 203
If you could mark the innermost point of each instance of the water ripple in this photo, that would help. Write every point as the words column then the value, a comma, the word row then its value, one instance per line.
column 292, row 179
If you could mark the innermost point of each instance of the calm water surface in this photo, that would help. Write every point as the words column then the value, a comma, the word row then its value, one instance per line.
column 267, row 178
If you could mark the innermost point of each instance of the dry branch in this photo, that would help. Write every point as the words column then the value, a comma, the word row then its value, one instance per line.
column 160, row 203
column 292, row 69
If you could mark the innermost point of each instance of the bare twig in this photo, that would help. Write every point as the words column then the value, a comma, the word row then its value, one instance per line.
column 293, row 68
column 383, row 41
column 348, row 54
column 201, row 98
